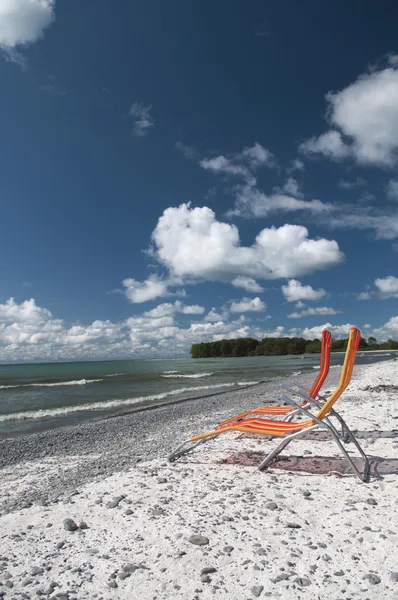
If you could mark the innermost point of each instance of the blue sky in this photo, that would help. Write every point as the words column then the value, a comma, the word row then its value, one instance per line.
column 173, row 172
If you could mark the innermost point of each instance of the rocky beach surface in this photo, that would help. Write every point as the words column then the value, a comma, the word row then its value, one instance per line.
column 96, row 511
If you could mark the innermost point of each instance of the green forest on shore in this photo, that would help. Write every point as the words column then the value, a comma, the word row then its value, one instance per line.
column 279, row 346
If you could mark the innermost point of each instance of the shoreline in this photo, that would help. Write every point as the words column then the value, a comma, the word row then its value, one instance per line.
column 304, row 529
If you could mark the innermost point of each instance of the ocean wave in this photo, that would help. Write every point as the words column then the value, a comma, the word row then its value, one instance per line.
column 169, row 372
column 64, row 410
column 296, row 373
column 247, row 382
column 74, row 382
column 176, row 375
column 114, row 374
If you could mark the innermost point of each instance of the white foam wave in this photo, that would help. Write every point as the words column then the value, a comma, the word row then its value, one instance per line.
column 247, row 382
column 64, row 410
column 169, row 372
column 114, row 374
column 193, row 376
column 296, row 373
column 56, row 384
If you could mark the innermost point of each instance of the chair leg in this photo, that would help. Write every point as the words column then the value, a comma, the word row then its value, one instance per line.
column 365, row 474
column 273, row 454
column 283, row 445
column 180, row 450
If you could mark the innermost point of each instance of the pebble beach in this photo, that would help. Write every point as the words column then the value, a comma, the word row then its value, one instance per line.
column 95, row 511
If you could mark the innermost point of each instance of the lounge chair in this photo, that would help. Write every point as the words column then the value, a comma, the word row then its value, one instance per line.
column 292, row 430
column 288, row 411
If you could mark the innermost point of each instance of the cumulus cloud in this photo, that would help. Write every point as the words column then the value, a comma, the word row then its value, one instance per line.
column 142, row 291
column 387, row 331
column 169, row 308
column 338, row 331
column 23, row 22
column 280, row 252
column 366, row 114
column 364, row 296
column 295, row 291
column 247, row 283
column 388, row 286
column 248, row 305
column 384, row 225
column 311, row 312
column 143, row 120
column 213, row 316
column 329, row 144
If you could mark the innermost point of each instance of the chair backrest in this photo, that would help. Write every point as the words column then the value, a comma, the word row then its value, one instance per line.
column 346, row 372
column 324, row 365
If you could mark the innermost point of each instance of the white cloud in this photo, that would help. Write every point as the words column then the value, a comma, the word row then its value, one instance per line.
column 22, row 22
column 292, row 187
column 142, row 291
column 387, row 286
column 143, row 120
column 241, row 164
column 223, row 165
column 276, row 252
column 329, row 144
column 384, row 225
column 392, row 189
column 296, row 165
column 366, row 113
column 248, row 305
column 294, row 291
column 310, row 312
column 257, row 156
column 168, row 308
column 213, row 316
column 338, row 331
column 364, row 296
column 188, row 151
column 247, row 283
column 387, row 331
column 277, row 332
column 349, row 185
column 250, row 202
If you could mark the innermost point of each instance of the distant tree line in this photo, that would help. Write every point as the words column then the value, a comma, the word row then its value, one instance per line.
column 278, row 347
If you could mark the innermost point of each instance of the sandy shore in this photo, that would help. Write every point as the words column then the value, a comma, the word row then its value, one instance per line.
column 209, row 525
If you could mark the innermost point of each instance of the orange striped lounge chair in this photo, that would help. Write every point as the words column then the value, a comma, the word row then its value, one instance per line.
column 289, row 431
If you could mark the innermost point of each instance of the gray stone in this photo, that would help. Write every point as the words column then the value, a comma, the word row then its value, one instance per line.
column 394, row 577
column 70, row 525
column 256, row 590
column 205, row 578
column 83, row 525
column 130, row 568
column 198, row 540
column 9, row 584
column 162, row 480
column 129, row 512
column 207, row 570
column 37, row 571
column 112, row 584
column 302, row 581
column 115, row 502
column 281, row 577
column 372, row 578
column 60, row 545
column 261, row 551
column 293, row 526
column 371, row 501
column 228, row 549
column 271, row 506
column 123, row 575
